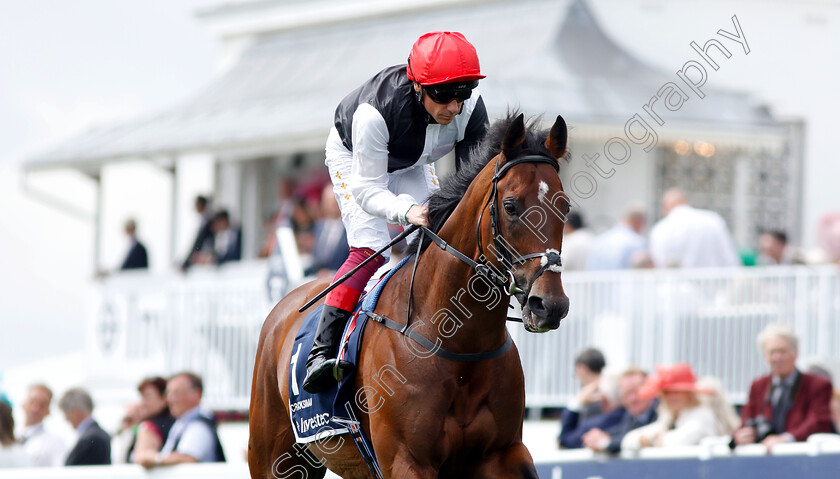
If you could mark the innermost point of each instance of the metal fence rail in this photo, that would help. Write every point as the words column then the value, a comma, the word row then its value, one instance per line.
column 708, row 318
column 209, row 322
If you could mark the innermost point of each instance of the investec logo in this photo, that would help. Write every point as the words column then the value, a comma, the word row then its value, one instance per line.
column 316, row 421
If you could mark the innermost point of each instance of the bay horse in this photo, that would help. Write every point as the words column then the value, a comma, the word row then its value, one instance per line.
column 438, row 416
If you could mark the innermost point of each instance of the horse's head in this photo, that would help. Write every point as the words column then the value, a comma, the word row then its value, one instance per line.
column 527, row 209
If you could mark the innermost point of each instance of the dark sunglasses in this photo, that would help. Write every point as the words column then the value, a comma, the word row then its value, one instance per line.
column 446, row 92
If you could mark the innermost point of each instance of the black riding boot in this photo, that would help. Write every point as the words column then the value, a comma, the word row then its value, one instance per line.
column 322, row 369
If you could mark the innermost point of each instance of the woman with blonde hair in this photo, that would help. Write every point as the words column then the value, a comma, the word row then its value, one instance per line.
column 684, row 419
column 727, row 417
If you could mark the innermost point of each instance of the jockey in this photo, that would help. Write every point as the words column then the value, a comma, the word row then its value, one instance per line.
column 387, row 133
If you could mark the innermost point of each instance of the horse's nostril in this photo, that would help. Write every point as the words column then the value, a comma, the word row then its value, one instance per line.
column 535, row 303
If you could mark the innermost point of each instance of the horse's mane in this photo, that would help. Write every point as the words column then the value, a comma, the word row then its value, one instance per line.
column 443, row 202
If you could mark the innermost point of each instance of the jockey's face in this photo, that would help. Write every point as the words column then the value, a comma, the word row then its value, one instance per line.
column 443, row 113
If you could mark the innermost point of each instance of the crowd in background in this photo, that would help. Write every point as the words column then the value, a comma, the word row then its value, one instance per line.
column 672, row 407
column 166, row 426
column 685, row 237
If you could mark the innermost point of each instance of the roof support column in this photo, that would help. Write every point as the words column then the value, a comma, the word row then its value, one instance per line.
column 97, row 224
column 173, row 213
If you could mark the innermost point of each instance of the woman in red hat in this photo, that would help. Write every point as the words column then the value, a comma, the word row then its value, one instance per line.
column 387, row 134
column 684, row 417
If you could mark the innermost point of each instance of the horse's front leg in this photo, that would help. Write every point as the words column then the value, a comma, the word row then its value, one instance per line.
column 514, row 462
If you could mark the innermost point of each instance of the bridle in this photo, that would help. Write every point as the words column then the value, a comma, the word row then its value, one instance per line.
column 504, row 279
column 552, row 256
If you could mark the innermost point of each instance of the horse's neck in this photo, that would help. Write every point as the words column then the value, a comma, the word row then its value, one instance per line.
column 456, row 304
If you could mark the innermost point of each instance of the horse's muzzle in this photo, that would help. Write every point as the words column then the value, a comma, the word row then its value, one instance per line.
column 544, row 314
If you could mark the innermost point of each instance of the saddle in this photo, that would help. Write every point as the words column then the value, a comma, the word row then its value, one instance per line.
column 331, row 413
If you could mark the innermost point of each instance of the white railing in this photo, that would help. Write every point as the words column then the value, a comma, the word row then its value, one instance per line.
column 708, row 318
column 813, row 458
column 209, row 322
column 203, row 471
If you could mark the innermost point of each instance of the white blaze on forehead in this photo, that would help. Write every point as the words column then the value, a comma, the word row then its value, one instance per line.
column 542, row 191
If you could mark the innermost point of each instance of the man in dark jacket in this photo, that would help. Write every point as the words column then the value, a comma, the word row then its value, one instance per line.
column 136, row 258
column 94, row 444
column 204, row 237
column 604, row 432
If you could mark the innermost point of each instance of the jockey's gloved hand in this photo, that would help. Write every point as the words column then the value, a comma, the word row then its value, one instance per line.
column 418, row 215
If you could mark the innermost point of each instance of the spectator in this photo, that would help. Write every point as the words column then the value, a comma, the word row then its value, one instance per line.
column 774, row 250
column 283, row 215
column 573, row 429
column 683, row 419
column 193, row 436
column 227, row 242
column 136, row 258
column 614, row 248
column 127, row 433
column 297, row 210
column 828, row 238
column 203, row 242
column 834, row 405
column 576, row 242
column 154, row 430
column 637, row 411
column 688, row 237
column 715, row 399
column 786, row 405
column 45, row 449
column 588, row 366
column 835, row 410
column 12, row 454
column 330, row 249
column 641, row 260
column 94, row 444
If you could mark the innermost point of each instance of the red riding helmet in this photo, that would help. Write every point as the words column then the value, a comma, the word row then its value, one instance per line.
column 443, row 57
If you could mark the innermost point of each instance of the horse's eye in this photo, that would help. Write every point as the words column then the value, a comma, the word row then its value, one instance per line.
column 510, row 208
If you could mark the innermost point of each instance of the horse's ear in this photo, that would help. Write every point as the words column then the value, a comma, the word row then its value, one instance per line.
column 557, row 137
column 514, row 137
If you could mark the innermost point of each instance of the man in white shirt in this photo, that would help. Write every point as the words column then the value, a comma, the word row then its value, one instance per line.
column 44, row 448
column 193, row 437
column 614, row 248
column 576, row 243
column 690, row 237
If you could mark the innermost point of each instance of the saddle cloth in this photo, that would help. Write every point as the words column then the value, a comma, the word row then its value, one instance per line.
column 313, row 414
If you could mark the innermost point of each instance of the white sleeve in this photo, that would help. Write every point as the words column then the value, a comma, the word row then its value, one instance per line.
column 632, row 441
column 698, row 423
column 658, row 246
column 728, row 252
column 369, row 172
column 198, row 441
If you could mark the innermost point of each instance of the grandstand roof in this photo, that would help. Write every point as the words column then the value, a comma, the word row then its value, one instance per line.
column 541, row 56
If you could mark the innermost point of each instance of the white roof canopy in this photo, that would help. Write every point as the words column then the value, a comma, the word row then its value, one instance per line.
column 544, row 57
